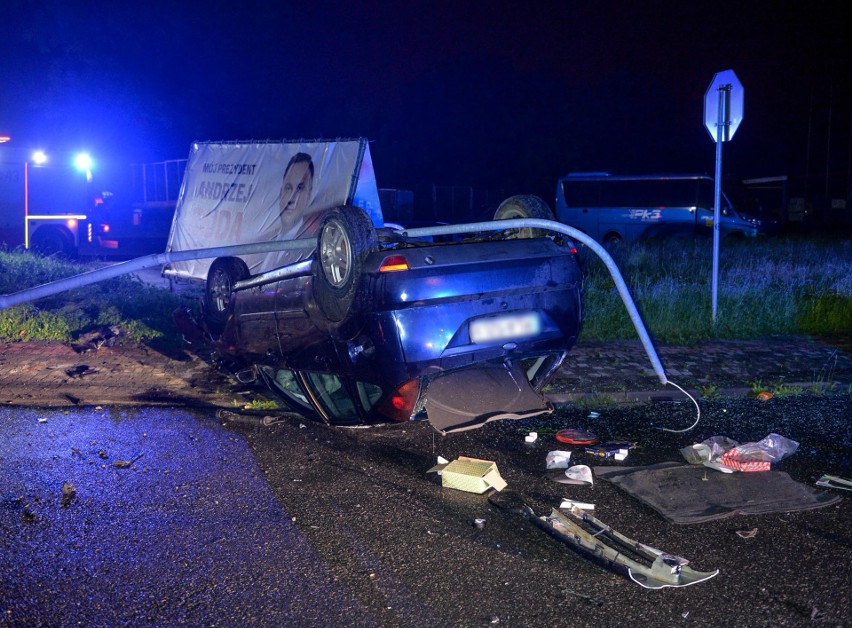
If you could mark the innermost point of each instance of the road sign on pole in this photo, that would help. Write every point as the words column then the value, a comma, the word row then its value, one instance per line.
column 723, row 112
column 723, row 105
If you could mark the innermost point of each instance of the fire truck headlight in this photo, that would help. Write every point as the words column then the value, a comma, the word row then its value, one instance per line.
column 39, row 157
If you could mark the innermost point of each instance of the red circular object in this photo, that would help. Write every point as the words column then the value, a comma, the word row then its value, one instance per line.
column 576, row 437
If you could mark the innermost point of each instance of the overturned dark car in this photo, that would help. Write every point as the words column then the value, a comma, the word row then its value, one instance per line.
column 361, row 332
column 376, row 325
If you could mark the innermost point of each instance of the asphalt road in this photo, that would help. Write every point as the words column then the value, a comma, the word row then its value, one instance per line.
column 300, row 524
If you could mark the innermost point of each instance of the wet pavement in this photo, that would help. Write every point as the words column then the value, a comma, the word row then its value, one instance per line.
column 162, row 516
column 128, row 497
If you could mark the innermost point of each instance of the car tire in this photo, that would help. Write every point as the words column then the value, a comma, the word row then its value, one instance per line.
column 524, row 206
column 221, row 277
column 346, row 238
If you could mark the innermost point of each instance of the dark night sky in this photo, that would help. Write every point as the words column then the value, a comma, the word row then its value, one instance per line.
column 497, row 94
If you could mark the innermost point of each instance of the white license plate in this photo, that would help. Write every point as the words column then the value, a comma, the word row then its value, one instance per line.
column 507, row 327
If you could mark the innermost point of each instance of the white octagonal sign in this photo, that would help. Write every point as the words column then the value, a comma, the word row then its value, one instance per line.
column 727, row 92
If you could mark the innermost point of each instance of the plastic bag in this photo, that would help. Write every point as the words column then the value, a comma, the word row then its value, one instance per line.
column 760, row 455
column 757, row 456
column 558, row 459
column 708, row 450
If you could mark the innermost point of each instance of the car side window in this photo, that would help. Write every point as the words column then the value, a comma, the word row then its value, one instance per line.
column 285, row 381
column 369, row 394
column 333, row 396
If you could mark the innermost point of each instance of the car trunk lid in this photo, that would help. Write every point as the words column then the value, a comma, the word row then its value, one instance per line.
column 469, row 398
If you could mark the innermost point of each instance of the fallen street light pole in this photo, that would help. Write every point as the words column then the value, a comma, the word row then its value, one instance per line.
column 160, row 259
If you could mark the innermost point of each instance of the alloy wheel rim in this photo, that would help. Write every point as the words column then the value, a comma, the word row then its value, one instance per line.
column 336, row 253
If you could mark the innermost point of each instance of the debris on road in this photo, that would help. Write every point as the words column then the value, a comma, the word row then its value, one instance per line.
column 832, row 481
column 573, row 436
column 616, row 450
column 579, row 474
column 725, row 454
column 647, row 566
column 558, row 459
column 69, row 491
column 253, row 419
column 691, row 495
column 747, row 534
column 595, row 540
column 759, row 456
column 125, row 464
column 470, row 474
column 570, row 503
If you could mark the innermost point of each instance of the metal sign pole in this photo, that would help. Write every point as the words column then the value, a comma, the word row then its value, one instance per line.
column 721, row 136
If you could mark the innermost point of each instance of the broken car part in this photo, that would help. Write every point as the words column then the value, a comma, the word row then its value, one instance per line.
column 647, row 566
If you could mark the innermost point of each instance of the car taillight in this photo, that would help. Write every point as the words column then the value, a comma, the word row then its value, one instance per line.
column 392, row 263
column 400, row 405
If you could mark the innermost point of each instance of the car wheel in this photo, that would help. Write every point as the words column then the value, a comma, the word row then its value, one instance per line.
column 221, row 277
column 345, row 240
column 524, row 206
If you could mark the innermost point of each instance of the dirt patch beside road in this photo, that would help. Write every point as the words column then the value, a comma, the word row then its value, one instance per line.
column 52, row 374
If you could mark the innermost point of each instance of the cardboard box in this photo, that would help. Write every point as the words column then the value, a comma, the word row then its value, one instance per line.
column 470, row 474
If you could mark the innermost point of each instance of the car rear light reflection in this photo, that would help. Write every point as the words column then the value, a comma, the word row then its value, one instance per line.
column 393, row 263
column 400, row 405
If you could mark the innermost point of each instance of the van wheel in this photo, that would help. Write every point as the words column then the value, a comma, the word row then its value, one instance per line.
column 221, row 277
column 345, row 240
column 524, row 206
column 612, row 240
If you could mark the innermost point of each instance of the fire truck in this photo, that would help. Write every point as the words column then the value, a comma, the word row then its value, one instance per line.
column 50, row 204
column 46, row 201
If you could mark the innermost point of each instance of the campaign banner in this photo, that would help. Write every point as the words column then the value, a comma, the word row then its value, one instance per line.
column 247, row 192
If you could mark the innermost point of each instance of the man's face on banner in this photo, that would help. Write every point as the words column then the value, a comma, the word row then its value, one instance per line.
column 295, row 191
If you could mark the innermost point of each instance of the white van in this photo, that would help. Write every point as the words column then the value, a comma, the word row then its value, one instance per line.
column 616, row 208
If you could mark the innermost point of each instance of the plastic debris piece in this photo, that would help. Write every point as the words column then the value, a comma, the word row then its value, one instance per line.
column 617, row 450
column 42, row 420
column 574, row 436
column 764, row 395
column 479, row 523
column 712, row 464
column 833, row 481
column 747, row 534
column 570, row 503
column 594, row 415
column 531, row 437
column 579, row 474
column 558, row 459
column 647, row 566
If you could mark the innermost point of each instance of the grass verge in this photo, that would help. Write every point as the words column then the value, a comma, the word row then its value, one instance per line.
column 140, row 312
column 784, row 286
